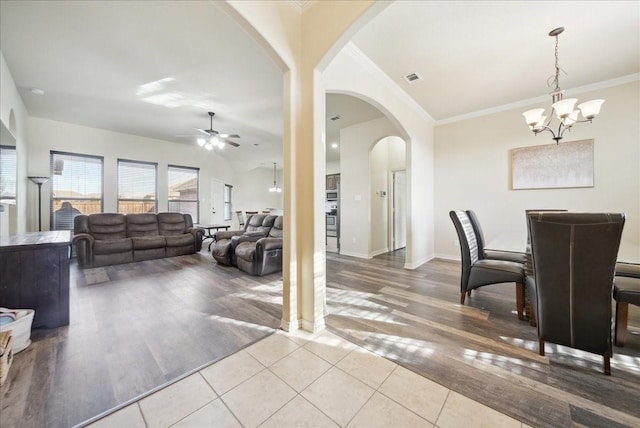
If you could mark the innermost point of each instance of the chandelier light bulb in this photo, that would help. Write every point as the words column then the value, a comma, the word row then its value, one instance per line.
column 563, row 108
column 532, row 117
column 571, row 118
column 208, row 146
column 590, row 109
column 201, row 142
column 540, row 125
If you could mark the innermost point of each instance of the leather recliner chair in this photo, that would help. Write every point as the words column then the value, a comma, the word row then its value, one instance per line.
column 257, row 226
column 263, row 256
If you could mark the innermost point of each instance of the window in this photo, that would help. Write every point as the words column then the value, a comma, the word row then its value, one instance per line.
column 76, row 187
column 227, row 201
column 137, row 187
column 8, row 174
column 183, row 190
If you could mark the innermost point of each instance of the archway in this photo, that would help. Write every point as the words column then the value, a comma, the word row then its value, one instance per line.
column 387, row 177
column 313, row 57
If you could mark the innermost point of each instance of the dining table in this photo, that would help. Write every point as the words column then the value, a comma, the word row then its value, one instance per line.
column 208, row 228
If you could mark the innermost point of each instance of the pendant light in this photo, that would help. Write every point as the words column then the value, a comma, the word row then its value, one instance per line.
column 274, row 188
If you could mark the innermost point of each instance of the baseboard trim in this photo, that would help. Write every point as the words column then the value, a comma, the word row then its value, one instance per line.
column 351, row 254
column 376, row 253
column 289, row 326
column 447, row 257
column 313, row 327
column 417, row 264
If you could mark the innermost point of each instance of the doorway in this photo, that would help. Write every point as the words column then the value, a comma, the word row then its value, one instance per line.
column 217, row 201
column 399, row 210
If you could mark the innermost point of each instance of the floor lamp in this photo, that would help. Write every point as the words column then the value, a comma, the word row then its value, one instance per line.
column 39, row 181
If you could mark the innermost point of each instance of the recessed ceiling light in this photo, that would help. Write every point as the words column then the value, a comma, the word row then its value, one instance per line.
column 37, row 91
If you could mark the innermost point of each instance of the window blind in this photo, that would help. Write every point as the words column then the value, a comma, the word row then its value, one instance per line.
column 76, row 187
column 183, row 190
column 137, row 184
column 227, row 201
column 8, row 174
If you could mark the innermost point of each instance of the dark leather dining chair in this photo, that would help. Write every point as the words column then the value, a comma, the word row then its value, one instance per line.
column 491, row 254
column 628, row 270
column 574, row 257
column 528, row 266
column 478, row 272
column 626, row 290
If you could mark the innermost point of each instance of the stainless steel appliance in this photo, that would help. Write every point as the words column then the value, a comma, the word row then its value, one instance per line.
column 332, row 225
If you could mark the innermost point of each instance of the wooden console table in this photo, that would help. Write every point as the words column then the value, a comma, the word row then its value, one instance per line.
column 34, row 274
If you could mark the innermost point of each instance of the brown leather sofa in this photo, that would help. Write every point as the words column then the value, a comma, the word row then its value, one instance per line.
column 108, row 238
column 259, row 228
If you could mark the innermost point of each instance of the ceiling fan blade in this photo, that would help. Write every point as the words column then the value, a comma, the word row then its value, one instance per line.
column 231, row 143
column 228, row 136
column 205, row 132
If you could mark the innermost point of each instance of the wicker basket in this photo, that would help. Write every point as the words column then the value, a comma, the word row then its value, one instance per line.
column 6, row 355
column 20, row 330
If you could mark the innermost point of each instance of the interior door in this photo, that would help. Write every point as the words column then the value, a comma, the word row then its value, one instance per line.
column 217, row 201
column 399, row 210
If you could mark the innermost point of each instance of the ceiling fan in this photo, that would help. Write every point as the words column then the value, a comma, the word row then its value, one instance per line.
column 215, row 139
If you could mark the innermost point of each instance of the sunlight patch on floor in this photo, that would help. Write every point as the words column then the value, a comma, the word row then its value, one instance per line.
column 239, row 323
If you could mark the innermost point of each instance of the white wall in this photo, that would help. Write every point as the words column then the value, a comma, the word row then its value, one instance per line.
column 14, row 115
column 378, row 197
column 332, row 167
column 472, row 168
column 46, row 135
column 251, row 190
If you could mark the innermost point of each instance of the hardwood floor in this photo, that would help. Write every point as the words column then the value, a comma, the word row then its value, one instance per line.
column 139, row 326
column 481, row 349
column 133, row 329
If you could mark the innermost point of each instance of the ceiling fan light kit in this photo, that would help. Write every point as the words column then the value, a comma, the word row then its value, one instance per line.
column 563, row 108
column 215, row 139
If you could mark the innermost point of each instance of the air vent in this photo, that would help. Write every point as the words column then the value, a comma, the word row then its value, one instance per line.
column 412, row 78
column 336, row 117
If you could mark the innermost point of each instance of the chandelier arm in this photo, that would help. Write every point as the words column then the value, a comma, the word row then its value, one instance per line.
column 546, row 128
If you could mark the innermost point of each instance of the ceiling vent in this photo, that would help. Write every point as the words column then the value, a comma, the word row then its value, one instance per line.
column 412, row 78
column 336, row 117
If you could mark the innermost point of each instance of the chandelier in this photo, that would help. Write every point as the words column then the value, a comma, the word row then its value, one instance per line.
column 564, row 108
column 274, row 188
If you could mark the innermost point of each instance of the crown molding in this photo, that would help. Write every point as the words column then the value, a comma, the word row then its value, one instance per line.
column 541, row 99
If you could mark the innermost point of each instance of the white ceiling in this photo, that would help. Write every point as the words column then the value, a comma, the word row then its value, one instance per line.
column 477, row 55
column 93, row 60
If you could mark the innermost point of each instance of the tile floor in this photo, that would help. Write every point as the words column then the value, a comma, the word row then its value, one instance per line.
column 304, row 380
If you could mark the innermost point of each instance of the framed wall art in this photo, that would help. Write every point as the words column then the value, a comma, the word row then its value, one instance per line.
column 552, row 166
